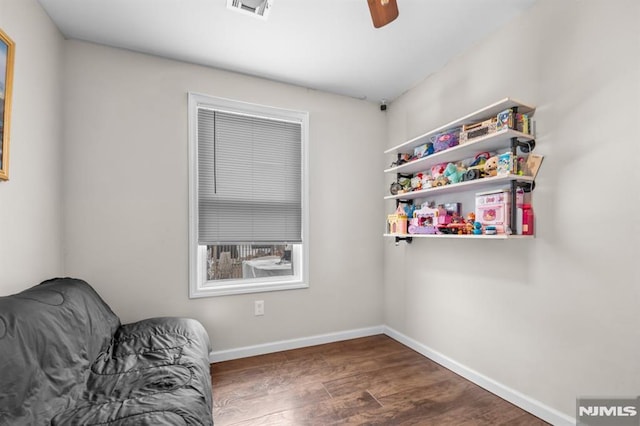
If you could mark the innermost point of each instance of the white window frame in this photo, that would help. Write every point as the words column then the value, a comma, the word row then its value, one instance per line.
column 199, row 286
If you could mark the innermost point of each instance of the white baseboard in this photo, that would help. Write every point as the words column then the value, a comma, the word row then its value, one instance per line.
column 531, row 405
column 284, row 345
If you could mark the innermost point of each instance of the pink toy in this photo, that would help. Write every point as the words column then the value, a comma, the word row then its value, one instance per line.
column 424, row 221
column 438, row 170
column 444, row 217
column 493, row 208
column 527, row 220
column 397, row 222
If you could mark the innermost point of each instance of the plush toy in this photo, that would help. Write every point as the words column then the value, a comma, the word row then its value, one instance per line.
column 405, row 182
column 416, row 182
column 491, row 166
column 426, row 180
column 437, row 170
column 453, row 173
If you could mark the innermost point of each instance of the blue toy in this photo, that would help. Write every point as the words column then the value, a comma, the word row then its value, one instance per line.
column 409, row 209
column 477, row 228
column 452, row 173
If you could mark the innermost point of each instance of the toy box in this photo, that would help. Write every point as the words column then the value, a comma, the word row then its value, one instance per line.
column 493, row 208
column 423, row 150
column 506, row 164
column 445, row 140
column 476, row 130
column 452, row 208
column 517, row 121
column 424, row 221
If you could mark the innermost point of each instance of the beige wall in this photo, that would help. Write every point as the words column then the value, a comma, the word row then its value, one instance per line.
column 31, row 201
column 555, row 317
column 127, row 197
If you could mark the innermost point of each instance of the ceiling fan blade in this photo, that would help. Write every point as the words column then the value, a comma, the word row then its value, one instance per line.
column 383, row 11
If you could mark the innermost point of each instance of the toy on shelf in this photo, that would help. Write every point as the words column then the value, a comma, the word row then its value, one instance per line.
column 438, row 169
column 493, row 208
column 402, row 158
column 453, row 173
column 477, row 228
column 490, row 230
column 397, row 222
column 506, row 164
column 456, row 225
column 445, row 140
column 476, row 130
column 527, row 219
column 440, row 181
column 423, row 150
column 402, row 186
column 471, row 218
column 408, row 209
column 417, row 181
column 449, row 219
column 475, row 167
column 427, row 180
column 395, row 188
column 521, row 166
column 491, row 166
column 424, row 220
column 517, row 121
column 437, row 175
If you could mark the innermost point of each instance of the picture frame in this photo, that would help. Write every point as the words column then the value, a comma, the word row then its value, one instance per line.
column 7, row 47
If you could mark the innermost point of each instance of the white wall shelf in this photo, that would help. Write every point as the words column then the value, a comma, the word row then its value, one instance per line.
column 479, row 115
column 472, row 185
column 506, row 140
column 469, row 236
column 493, row 142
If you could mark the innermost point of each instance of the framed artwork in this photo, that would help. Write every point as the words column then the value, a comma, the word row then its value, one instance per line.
column 6, row 81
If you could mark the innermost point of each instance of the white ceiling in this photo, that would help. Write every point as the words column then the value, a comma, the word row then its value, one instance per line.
column 329, row 45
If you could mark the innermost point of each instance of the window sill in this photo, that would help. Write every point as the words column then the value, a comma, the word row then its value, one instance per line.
column 240, row 287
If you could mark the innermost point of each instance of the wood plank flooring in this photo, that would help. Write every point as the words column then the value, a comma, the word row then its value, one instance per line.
column 367, row 381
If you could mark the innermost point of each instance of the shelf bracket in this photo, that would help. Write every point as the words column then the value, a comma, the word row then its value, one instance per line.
column 525, row 147
column 527, row 186
column 514, row 210
column 408, row 240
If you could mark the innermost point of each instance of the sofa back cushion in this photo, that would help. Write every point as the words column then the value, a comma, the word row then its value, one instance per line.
column 49, row 336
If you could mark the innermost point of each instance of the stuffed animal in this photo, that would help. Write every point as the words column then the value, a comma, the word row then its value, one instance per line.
column 491, row 166
column 453, row 173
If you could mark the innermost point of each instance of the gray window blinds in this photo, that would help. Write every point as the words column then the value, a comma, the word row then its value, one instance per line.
column 249, row 179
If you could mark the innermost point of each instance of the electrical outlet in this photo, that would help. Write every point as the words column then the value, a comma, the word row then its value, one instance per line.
column 258, row 307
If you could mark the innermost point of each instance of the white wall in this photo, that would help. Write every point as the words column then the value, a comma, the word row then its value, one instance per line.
column 31, row 200
column 553, row 318
column 127, row 197
column 556, row 317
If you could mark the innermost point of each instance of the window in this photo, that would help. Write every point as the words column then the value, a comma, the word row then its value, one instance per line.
column 247, row 197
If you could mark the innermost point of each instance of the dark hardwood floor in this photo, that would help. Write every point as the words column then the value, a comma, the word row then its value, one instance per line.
column 372, row 380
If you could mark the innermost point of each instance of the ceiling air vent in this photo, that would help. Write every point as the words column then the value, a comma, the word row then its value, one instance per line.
column 257, row 8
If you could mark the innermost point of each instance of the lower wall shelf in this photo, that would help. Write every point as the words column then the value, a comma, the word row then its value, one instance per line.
column 467, row 236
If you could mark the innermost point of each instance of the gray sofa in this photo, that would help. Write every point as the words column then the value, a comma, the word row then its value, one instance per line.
column 65, row 359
